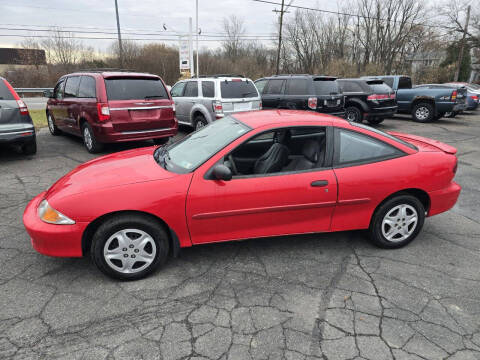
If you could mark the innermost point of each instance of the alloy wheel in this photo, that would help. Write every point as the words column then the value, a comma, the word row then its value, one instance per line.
column 399, row 223
column 422, row 113
column 87, row 137
column 351, row 116
column 51, row 125
column 129, row 251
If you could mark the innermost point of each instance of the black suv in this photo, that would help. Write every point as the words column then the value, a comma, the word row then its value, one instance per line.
column 370, row 100
column 302, row 92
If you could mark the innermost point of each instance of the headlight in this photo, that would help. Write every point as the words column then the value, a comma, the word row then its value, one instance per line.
column 50, row 215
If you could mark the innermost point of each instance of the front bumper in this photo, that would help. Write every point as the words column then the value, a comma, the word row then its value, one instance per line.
column 50, row 239
column 444, row 199
column 105, row 133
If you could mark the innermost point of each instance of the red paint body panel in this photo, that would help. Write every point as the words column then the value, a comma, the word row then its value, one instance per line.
column 201, row 211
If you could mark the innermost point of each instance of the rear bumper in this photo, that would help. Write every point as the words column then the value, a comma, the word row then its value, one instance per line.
column 107, row 134
column 50, row 239
column 444, row 199
column 460, row 107
column 381, row 112
column 21, row 136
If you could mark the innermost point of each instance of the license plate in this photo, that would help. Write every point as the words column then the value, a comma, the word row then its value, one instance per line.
column 242, row 106
column 332, row 103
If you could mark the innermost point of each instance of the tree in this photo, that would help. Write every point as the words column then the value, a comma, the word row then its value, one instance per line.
column 452, row 58
column 234, row 29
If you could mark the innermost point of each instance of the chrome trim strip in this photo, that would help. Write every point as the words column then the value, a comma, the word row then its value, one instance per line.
column 143, row 131
column 18, row 132
column 143, row 108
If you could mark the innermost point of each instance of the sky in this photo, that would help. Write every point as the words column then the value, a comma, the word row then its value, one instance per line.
column 141, row 17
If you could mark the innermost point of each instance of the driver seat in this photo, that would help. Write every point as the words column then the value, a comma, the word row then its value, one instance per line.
column 276, row 156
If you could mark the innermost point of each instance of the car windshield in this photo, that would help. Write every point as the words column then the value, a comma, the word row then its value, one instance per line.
column 135, row 88
column 391, row 137
column 238, row 89
column 193, row 150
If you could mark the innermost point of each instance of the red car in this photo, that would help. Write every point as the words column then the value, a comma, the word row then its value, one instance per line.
column 250, row 175
column 107, row 107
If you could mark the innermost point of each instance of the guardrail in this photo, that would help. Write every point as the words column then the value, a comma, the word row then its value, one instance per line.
column 31, row 90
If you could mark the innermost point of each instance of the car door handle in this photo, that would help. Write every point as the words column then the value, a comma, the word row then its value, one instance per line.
column 319, row 183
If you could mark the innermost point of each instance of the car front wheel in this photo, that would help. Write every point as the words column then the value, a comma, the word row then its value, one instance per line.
column 89, row 140
column 51, row 126
column 129, row 247
column 397, row 222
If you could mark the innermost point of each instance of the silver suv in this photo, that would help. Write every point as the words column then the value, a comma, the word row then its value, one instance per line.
column 200, row 101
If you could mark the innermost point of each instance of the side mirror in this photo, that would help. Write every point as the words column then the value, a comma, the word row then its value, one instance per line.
column 48, row 93
column 221, row 172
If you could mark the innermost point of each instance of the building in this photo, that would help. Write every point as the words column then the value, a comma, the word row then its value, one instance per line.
column 17, row 59
column 421, row 60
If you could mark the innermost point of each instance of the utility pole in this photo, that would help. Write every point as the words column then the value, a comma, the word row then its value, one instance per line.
column 280, row 35
column 462, row 46
column 198, row 68
column 190, row 47
column 120, row 48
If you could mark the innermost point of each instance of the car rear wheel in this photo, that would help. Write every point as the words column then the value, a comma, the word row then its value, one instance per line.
column 30, row 148
column 129, row 247
column 423, row 112
column 199, row 122
column 397, row 222
column 89, row 140
column 354, row 114
column 51, row 126
column 161, row 141
column 375, row 121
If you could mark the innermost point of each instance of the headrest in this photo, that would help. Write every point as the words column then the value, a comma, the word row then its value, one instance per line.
column 283, row 137
column 311, row 150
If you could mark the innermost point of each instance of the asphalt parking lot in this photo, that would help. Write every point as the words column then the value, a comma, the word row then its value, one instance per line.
column 331, row 296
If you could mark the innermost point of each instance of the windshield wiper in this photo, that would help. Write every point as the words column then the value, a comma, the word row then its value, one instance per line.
column 153, row 96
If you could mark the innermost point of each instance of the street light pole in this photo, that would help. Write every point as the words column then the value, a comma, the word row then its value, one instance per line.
column 198, row 68
column 120, row 48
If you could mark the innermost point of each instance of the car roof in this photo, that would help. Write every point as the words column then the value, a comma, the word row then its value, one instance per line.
column 108, row 74
column 257, row 119
column 290, row 76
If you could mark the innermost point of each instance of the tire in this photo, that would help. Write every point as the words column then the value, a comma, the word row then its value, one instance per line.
column 450, row 114
column 439, row 116
column 161, row 141
column 130, row 228
column 375, row 121
column 89, row 140
column 54, row 130
column 387, row 213
column 30, row 148
column 423, row 112
column 199, row 122
column 353, row 114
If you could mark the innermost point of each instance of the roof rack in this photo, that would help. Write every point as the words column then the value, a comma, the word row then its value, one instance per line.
column 292, row 75
column 219, row 75
column 105, row 70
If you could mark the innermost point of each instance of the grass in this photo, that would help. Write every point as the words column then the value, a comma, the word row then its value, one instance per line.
column 39, row 118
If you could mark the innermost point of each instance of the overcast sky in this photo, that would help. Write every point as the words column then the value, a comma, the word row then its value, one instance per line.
column 139, row 16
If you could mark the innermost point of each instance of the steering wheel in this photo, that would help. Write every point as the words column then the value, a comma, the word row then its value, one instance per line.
column 234, row 167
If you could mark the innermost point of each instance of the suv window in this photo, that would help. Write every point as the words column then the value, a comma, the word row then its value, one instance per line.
column 350, row 86
column 297, row 87
column 58, row 90
column 135, row 88
column 354, row 147
column 404, row 83
column 87, row 87
column 208, row 89
column 71, row 86
column 260, row 84
column 274, row 86
column 5, row 93
column 325, row 86
column 177, row 90
column 191, row 90
column 238, row 89
column 388, row 81
column 379, row 87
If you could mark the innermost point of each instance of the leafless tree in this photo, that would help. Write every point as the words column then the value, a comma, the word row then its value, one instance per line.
column 234, row 29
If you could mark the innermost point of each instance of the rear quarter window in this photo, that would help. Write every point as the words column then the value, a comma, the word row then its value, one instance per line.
column 298, row 87
column 388, row 81
column 326, row 86
column 5, row 93
column 135, row 89
column 238, row 89
column 379, row 88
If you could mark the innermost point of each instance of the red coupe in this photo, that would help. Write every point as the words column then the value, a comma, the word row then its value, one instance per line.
column 250, row 175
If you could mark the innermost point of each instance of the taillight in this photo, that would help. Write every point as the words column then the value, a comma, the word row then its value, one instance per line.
column 23, row 108
column 103, row 112
column 474, row 97
column 392, row 96
column 454, row 95
column 380, row 97
column 312, row 103
column 217, row 107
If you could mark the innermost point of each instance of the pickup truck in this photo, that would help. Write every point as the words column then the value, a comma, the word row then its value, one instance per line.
column 425, row 103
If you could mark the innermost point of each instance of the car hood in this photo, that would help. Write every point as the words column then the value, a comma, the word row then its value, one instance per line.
column 122, row 168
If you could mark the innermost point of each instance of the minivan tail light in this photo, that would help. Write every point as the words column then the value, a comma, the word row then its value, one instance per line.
column 454, row 95
column 312, row 103
column 23, row 108
column 103, row 112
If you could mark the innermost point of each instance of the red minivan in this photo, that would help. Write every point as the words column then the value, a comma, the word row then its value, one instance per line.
column 111, row 106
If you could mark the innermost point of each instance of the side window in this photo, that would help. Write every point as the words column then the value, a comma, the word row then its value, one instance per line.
column 58, row 91
column 274, row 87
column 191, row 90
column 208, row 89
column 388, row 81
column 352, row 147
column 404, row 83
column 87, row 87
column 71, row 86
column 351, row 87
column 297, row 87
column 177, row 90
column 260, row 84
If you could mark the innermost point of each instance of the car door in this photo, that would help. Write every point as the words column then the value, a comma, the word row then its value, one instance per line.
column 273, row 94
column 87, row 99
column 56, row 106
column 190, row 97
column 70, row 102
column 280, row 203
column 177, row 96
column 296, row 94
